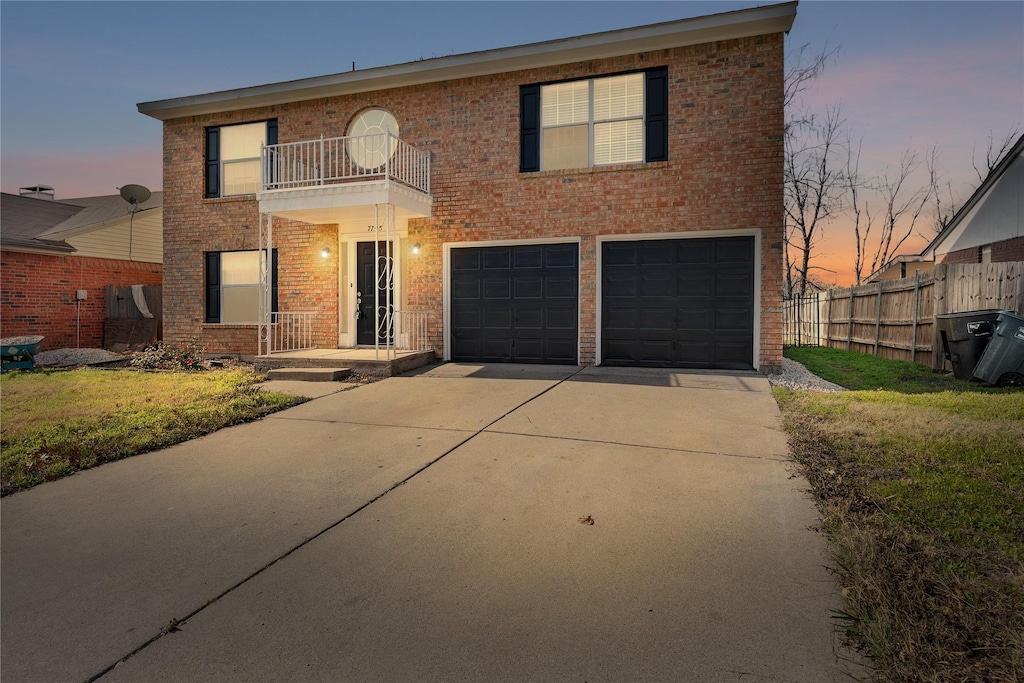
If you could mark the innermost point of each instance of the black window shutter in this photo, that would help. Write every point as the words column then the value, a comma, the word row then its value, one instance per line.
column 273, row 281
column 529, row 128
column 656, row 115
column 213, row 286
column 272, row 132
column 213, row 162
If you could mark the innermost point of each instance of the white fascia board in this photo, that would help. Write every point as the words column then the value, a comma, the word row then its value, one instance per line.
column 48, row 251
column 726, row 26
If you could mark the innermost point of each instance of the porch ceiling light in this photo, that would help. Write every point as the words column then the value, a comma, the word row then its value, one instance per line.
column 325, row 252
column 416, row 248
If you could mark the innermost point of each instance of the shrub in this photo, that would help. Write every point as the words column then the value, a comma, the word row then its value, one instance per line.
column 186, row 356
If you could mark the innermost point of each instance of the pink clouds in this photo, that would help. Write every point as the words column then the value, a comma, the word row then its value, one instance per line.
column 84, row 172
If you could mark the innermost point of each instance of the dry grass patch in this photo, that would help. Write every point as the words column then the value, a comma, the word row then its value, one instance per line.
column 55, row 423
column 922, row 500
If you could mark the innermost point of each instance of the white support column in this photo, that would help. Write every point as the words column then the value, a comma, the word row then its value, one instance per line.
column 389, row 280
column 384, row 279
column 376, row 281
column 266, row 261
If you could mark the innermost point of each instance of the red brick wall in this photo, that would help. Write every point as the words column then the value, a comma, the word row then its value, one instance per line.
column 1006, row 250
column 37, row 295
column 724, row 173
column 971, row 255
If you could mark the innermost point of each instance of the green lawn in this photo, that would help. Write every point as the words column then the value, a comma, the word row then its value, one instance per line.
column 54, row 423
column 920, row 481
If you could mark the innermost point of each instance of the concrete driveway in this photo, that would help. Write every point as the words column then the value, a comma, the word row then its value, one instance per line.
column 437, row 527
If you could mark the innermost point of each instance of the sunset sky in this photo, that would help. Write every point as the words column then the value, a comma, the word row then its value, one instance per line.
column 907, row 75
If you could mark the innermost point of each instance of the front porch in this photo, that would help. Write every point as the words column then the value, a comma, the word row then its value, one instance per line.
column 370, row 362
column 365, row 189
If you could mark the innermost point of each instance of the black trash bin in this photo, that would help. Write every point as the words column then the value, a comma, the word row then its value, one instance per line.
column 964, row 338
column 1002, row 362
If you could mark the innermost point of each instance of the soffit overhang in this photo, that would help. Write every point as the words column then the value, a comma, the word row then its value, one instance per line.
column 715, row 27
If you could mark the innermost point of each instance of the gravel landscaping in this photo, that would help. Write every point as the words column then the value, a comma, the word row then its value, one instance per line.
column 796, row 376
column 75, row 357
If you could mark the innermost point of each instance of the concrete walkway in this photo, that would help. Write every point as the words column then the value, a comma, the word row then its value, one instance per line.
column 437, row 527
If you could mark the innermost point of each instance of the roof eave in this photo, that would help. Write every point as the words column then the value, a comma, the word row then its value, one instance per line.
column 725, row 26
column 986, row 185
column 37, row 247
column 62, row 234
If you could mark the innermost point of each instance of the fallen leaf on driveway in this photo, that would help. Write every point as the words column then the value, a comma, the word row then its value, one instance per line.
column 587, row 520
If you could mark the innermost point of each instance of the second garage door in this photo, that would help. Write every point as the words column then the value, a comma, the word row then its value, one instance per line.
column 515, row 304
column 685, row 303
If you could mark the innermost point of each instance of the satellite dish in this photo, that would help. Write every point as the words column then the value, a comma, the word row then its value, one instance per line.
column 135, row 195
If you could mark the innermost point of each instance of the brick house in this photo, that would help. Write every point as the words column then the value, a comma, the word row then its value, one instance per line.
column 614, row 198
column 58, row 256
column 988, row 228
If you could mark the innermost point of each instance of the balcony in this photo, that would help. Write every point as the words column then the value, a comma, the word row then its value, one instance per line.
column 340, row 180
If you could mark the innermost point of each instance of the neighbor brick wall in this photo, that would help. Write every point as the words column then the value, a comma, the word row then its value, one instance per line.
column 971, row 255
column 37, row 295
column 1006, row 250
column 724, row 173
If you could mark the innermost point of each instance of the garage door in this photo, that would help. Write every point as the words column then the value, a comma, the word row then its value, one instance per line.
column 685, row 303
column 515, row 304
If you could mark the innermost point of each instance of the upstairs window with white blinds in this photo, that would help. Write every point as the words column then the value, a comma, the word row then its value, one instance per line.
column 593, row 122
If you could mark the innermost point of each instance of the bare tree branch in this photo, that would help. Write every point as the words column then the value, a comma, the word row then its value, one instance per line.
column 946, row 204
column 902, row 207
column 813, row 189
column 859, row 209
column 805, row 70
column 994, row 154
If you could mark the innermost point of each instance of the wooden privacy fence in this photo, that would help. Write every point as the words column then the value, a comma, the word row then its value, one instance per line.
column 896, row 318
column 126, row 325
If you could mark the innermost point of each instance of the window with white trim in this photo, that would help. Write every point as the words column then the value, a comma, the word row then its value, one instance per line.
column 617, row 119
column 233, row 157
column 592, row 123
column 233, row 285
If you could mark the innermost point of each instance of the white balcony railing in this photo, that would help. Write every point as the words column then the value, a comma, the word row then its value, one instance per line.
column 412, row 335
column 330, row 161
column 290, row 331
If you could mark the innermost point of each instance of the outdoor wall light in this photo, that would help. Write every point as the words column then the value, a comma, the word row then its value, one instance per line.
column 416, row 248
column 325, row 252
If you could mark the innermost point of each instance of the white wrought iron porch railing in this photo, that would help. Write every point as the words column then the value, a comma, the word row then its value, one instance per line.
column 329, row 161
column 412, row 331
column 292, row 331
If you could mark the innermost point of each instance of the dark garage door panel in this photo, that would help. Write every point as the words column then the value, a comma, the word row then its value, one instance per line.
column 515, row 304
column 685, row 303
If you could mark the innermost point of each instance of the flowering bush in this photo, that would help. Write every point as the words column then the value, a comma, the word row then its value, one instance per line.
column 187, row 356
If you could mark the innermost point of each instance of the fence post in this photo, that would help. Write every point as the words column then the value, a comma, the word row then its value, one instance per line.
column 799, row 319
column 828, row 322
column 938, row 308
column 849, row 323
column 878, row 317
column 913, row 334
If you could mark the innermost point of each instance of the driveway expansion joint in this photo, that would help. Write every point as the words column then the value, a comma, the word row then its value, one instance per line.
column 640, row 445
column 179, row 622
column 379, row 424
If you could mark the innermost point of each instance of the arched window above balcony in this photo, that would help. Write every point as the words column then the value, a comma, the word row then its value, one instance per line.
column 373, row 138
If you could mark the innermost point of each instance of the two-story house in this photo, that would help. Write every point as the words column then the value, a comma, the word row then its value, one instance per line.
column 613, row 199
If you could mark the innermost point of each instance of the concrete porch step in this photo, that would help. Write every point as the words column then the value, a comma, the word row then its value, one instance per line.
column 309, row 374
column 359, row 361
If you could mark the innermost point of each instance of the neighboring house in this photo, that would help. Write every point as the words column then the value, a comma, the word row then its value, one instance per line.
column 989, row 227
column 56, row 258
column 900, row 267
column 613, row 198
